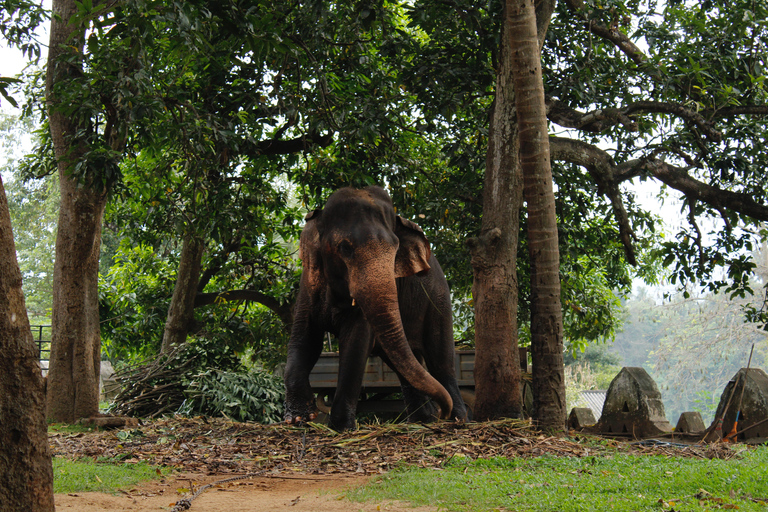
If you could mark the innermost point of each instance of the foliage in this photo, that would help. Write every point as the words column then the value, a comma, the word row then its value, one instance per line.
column 236, row 118
column 617, row 482
column 135, row 294
column 71, row 476
column 134, row 299
column 18, row 21
column 256, row 334
column 251, row 396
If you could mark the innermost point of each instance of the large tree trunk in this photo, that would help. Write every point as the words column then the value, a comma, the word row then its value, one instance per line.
column 182, row 308
column 26, row 475
column 73, row 386
column 546, row 312
column 494, row 258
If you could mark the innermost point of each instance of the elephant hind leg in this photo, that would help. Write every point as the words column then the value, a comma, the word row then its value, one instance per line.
column 419, row 407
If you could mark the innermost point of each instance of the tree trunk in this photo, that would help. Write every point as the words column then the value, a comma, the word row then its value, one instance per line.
column 76, row 342
column 26, row 475
column 182, row 308
column 546, row 312
column 494, row 258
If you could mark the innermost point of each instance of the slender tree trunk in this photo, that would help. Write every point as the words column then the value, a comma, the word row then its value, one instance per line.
column 546, row 312
column 26, row 476
column 494, row 258
column 181, row 310
column 76, row 342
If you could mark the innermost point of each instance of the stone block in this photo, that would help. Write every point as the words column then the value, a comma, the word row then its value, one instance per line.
column 633, row 406
column 581, row 417
column 108, row 385
column 690, row 423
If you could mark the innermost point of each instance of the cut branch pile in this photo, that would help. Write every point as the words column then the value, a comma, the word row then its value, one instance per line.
column 219, row 446
column 153, row 389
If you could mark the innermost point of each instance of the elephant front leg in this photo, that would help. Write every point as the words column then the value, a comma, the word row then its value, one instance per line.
column 304, row 349
column 355, row 345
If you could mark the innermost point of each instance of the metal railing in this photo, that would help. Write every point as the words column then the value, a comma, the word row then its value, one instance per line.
column 42, row 336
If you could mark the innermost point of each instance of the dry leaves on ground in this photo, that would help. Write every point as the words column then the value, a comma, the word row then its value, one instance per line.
column 223, row 447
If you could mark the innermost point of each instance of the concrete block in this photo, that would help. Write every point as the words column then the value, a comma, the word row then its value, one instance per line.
column 747, row 391
column 690, row 423
column 581, row 417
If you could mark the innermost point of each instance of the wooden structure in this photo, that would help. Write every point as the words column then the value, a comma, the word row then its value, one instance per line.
column 381, row 387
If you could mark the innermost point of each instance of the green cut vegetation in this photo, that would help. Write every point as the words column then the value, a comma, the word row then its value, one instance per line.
column 89, row 476
column 618, row 482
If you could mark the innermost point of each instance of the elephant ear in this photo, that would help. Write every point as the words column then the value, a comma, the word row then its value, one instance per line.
column 414, row 252
column 309, row 250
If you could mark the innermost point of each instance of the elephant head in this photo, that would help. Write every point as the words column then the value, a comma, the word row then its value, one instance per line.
column 353, row 250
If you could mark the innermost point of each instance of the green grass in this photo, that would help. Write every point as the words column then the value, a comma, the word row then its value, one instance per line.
column 615, row 482
column 86, row 475
column 68, row 428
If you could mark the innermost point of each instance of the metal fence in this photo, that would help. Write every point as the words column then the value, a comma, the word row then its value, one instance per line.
column 42, row 336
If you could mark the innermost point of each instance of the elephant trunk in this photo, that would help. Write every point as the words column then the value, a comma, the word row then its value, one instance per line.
column 377, row 297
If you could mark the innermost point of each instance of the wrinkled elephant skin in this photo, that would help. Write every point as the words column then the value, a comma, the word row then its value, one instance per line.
column 370, row 279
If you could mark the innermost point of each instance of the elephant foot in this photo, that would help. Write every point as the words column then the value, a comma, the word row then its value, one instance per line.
column 297, row 415
column 299, row 420
column 342, row 421
column 427, row 412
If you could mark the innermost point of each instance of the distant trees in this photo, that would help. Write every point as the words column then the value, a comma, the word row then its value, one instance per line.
column 33, row 206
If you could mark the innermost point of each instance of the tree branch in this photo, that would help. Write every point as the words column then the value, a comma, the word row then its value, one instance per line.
column 603, row 170
column 284, row 311
column 594, row 122
column 613, row 35
column 743, row 110
column 600, row 120
column 286, row 147
column 718, row 198
column 680, row 111
column 600, row 166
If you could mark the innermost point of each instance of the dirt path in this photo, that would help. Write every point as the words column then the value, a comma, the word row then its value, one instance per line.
column 302, row 493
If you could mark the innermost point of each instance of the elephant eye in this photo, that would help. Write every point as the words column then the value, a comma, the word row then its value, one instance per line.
column 346, row 250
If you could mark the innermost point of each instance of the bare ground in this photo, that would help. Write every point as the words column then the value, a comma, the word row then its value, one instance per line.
column 295, row 494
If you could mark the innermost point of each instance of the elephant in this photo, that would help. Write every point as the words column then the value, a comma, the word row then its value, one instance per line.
column 369, row 278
